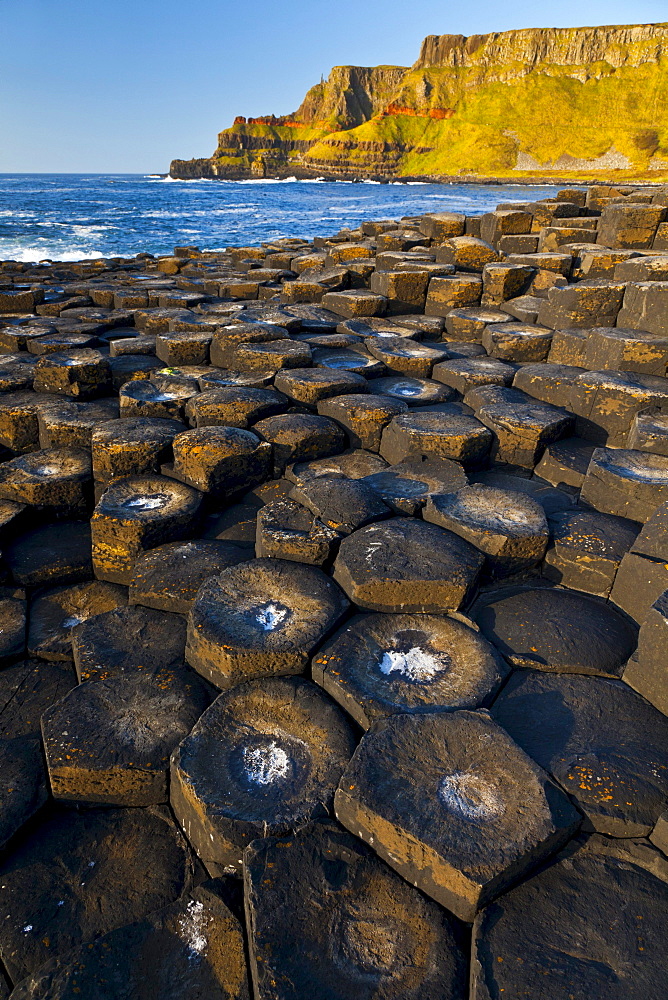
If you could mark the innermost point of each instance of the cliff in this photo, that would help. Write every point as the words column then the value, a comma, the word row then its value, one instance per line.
column 583, row 103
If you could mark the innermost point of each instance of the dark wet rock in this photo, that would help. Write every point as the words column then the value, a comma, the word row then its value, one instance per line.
column 287, row 530
column 139, row 513
column 510, row 528
column 374, row 936
column 406, row 565
column 193, row 948
column 343, row 505
column 410, row 390
column 646, row 671
column 134, row 639
column 557, row 630
column 12, row 628
column 51, row 554
column 380, row 664
column 54, row 613
column 347, row 465
column 109, row 741
column 78, row 875
column 150, row 399
column 453, row 805
column 586, row 549
column 601, row 741
column 566, row 462
column 407, row 486
column 262, row 761
column 590, row 925
column 259, row 619
column 167, row 578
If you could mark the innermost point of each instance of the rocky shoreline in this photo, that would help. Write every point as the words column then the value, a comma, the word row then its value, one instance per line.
column 333, row 613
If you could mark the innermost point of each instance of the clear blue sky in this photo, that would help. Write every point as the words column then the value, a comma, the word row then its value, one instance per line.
column 126, row 85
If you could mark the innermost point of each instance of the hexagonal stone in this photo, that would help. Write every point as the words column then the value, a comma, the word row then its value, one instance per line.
column 377, row 665
column 261, row 618
column 287, row 530
column 81, row 374
column 627, row 483
column 413, row 391
column 193, row 948
column 12, row 629
column 406, row 565
column 449, row 433
column 463, row 374
column 233, row 406
column 586, row 549
column 23, row 783
column 166, row 400
column 300, row 437
column 132, row 446
column 606, row 403
column 130, row 639
column 228, row 338
column 405, row 356
column 517, row 342
column 79, row 875
column 54, row 613
column 557, row 630
column 275, row 354
column 262, row 761
column 646, row 671
column 453, row 805
column 341, row 504
column 407, row 485
column 71, row 424
column 50, row 554
column 363, row 932
column 220, row 460
column 136, row 514
column 566, row 462
column 591, row 925
column 509, row 527
column 603, row 743
column 168, row 578
column 522, row 427
column 310, row 385
column 57, row 481
column 109, row 741
column 362, row 416
column 348, row 465
column 355, row 361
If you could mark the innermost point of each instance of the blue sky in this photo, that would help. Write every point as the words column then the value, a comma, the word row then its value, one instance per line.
column 126, row 85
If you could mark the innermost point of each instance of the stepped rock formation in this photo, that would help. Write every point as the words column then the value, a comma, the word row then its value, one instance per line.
column 540, row 102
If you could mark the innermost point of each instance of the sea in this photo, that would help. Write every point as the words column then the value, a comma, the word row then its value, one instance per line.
column 83, row 216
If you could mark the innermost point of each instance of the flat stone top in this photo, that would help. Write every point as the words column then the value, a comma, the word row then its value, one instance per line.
column 557, row 630
column 455, row 782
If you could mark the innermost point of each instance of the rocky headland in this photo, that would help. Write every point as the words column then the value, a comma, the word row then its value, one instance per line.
column 542, row 103
column 334, row 613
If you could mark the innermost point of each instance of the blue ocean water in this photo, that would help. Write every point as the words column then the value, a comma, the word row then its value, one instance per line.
column 74, row 216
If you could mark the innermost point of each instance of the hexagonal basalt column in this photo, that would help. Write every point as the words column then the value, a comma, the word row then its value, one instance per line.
column 80, row 374
column 58, row 481
column 378, row 665
column 261, row 618
column 510, row 528
column 453, row 805
column 220, row 460
column 109, row 741
column 557, row 630
column 262, row 761
column 358, row 924
column 136, row 514
column 406, row 565
column 603, row 743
